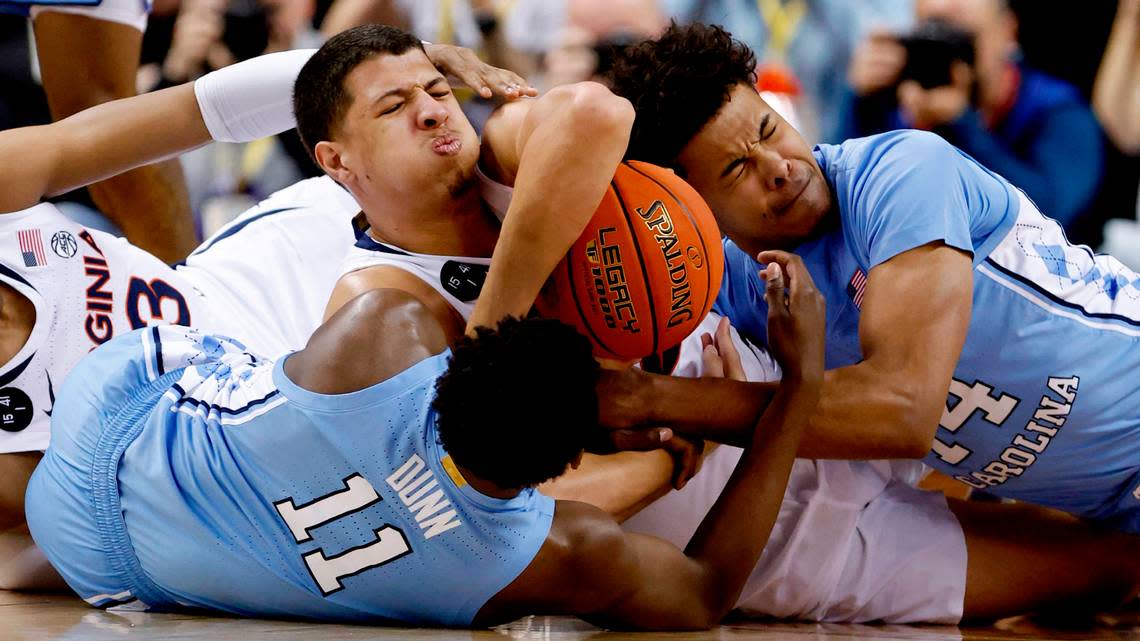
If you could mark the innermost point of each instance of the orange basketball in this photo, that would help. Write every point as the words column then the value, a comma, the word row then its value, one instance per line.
column 646, row 269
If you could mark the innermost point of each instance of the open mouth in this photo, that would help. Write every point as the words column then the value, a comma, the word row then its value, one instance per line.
column 446, row 145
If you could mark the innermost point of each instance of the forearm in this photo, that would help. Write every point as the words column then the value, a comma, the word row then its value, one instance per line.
column 576, row 147
column 864, row 414
column 714, row 409
column 621, row 484
column 97, row 143
column 732, row 536
column 240, row 103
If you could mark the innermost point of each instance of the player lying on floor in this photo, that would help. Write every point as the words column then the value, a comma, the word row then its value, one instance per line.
column 377, row 476
column 983, row 568
column 986, row 591
column 65, row 289
column 963, row 327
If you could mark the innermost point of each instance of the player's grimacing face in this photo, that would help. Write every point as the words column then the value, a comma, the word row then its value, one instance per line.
column 404, row 129
column 757, row 174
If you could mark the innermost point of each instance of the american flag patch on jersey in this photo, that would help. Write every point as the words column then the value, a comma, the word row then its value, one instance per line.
column 856, row 287
column 32, row 247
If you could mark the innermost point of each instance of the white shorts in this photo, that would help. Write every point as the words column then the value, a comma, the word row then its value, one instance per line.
column 267, row 276
column 854, row 541
column 132, row 13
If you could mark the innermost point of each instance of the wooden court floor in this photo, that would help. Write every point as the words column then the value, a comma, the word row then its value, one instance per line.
column 32, row 617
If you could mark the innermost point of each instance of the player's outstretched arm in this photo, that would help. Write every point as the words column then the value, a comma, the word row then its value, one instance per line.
column 590, row 568
column 95, row 144
column 560, row 153
column 240, row 103
column 243, row 102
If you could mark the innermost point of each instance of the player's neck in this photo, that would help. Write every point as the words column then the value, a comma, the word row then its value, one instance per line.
column 486, row 487
column 462, row 226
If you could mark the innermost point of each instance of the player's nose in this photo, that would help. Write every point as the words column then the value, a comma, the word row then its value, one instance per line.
column 430, row 113
column 774, row 168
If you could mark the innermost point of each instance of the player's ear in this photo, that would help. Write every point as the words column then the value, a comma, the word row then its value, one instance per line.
column 330, row 157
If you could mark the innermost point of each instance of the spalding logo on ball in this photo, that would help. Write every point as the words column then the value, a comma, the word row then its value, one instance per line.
column 646, row 269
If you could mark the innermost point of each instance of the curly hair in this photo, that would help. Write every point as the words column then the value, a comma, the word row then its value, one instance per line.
column 677, row 83
column 320, row 98
column 517, row 404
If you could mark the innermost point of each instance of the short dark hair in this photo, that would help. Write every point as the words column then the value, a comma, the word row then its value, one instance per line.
column 319, row 95
column 677, row 83
column 518, row 403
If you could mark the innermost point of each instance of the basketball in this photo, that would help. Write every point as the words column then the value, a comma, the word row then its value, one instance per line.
column 646, row 269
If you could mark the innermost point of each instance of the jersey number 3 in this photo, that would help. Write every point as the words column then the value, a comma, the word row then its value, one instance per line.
column 154, row 293
column 329, row 571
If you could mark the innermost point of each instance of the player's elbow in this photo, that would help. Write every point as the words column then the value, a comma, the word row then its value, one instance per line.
column 594, row 111
column 710, row 607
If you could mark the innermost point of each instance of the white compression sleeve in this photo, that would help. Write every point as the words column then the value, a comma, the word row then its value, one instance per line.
column 251, row 99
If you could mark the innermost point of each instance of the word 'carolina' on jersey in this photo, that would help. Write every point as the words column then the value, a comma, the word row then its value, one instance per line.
column 1039, row 432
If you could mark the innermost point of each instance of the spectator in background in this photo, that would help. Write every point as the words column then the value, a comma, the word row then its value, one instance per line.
column 1116, row 100
column 1033, row 129
column 511, row 34
column 1116, row 95
column 592, row 30
column 211, row 34
column 813, row 39
column 89, row 55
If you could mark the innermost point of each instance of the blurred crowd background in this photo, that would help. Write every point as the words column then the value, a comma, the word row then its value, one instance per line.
column 1045, row 92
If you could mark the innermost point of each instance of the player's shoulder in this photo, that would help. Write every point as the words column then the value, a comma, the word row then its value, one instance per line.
column 897, row 166
column 904, row 147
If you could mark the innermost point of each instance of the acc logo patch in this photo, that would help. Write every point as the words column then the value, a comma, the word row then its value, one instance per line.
column 63, row 244
column 15, row 409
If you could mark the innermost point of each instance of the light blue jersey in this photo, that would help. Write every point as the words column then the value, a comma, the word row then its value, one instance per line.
column 1044, row 405
column 185, row 471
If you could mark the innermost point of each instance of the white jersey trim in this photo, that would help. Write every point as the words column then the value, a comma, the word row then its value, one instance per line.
column 1036, row 261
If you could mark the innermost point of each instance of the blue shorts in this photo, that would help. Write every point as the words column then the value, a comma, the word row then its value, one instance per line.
column 73, row 503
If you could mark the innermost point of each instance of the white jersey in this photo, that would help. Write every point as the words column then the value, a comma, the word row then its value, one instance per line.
column 87, row 287
column 267, row 276
column 458, row 279
column 265, row 279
